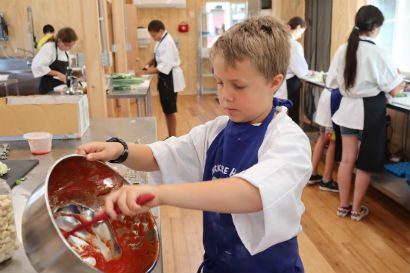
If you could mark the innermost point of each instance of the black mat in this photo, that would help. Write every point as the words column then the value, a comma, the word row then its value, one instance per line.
column 18, row 169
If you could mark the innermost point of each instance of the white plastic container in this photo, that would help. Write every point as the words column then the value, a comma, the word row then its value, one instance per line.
column 39, row 142
column 4, row 77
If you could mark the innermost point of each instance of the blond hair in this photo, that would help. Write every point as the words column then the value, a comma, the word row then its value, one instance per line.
column 263, row 40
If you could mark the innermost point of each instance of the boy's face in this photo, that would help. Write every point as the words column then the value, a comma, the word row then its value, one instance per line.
column 157, row 35
column 243, row 92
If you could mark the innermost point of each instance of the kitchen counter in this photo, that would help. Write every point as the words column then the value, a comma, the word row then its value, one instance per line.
column 142, row 94
column 142, row 130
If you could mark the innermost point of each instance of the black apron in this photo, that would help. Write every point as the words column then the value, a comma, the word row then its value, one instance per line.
column 168, row 97
column 371, row 157
column 293, row 86
column 47, row 82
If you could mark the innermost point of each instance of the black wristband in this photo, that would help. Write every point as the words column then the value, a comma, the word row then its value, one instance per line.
column 124, row 154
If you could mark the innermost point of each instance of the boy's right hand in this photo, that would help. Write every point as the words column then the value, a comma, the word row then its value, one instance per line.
column 103, row 151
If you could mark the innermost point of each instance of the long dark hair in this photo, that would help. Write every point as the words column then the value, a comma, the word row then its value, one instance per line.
column 367, row 19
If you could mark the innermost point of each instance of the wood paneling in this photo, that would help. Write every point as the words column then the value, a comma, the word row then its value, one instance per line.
column 133, row 52
column 92, row 52
column 343, row 14
column 59, row 13
column 286, row 10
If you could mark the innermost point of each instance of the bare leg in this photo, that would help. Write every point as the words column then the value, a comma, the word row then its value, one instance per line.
column 171, row 124
column 361, row 184
column 317, row 152
column 345, row 172
column 329, row 161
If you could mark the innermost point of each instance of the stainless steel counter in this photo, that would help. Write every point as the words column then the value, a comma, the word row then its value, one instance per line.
column 141, row 94
column 142, row 130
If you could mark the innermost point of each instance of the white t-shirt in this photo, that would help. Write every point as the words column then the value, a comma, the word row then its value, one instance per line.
column 167, row 57
column 297, row 66
column 283, row 168
column 375, row 73
column 45, row 57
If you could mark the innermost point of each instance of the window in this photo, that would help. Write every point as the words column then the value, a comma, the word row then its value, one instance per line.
column 221, row 16
column 395, row 35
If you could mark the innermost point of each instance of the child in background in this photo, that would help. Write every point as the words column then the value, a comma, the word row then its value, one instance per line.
column 297, row 68
column 324, row 119
column 166, row 63
column 48, row 31
column 364, row 76
column 246, row 170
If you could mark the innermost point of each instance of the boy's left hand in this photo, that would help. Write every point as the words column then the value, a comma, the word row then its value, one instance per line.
column 126, row 197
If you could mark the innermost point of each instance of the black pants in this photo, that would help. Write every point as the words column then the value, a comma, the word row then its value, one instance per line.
column 293, row 85
column 167, row 96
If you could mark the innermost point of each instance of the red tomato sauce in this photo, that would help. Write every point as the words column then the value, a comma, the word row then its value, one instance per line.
column 137, row 236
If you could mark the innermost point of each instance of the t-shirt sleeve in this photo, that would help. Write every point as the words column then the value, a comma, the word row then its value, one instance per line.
column 182, row 159
column 387, row 75
column 283, row 169
column 42, row 61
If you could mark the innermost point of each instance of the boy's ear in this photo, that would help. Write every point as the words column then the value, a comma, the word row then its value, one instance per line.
column 277, row 82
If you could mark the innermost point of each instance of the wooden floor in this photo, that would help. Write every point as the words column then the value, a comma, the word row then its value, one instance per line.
column 380, row 243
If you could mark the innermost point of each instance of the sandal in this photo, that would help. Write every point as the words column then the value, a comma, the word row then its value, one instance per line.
column 359, row 215
column 343, row 211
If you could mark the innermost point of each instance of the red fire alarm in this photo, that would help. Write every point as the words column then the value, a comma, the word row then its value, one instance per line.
column 183, row 27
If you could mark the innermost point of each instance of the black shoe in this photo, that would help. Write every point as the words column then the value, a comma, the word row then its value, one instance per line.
column 315, row 178
column 329, row 186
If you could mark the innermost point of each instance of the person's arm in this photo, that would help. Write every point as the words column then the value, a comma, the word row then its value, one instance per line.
column 58, row 74
column 148, row 71
column 297, row 62
column 229, row 195
column 140, row 156
column 42, row 61
column 397, row 89
column 149, row 63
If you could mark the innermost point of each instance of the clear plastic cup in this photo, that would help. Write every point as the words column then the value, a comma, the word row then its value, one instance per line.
column 39, row 142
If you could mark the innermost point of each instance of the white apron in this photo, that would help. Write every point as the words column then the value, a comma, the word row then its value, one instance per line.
column 178, row 78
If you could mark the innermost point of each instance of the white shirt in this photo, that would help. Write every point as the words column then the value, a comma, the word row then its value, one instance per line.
column 297, row 67
column 375, row 73
column 45, row 57
column 283, row 168
column 167, row 57
column 323, row 115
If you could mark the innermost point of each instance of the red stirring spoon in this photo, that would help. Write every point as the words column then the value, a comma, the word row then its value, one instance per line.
column 141, row 200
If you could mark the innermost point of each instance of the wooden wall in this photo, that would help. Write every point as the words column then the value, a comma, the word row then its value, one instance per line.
column 288, row 9
column 343, row 14
column 59, row 13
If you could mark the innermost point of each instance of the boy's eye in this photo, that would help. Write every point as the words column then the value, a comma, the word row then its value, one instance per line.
column 239, row 87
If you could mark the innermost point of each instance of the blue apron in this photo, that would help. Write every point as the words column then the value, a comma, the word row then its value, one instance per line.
column 236, row 149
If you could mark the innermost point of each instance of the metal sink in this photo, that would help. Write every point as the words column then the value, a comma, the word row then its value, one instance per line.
column 19, row 68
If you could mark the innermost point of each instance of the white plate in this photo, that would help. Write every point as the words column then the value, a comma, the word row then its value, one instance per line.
column 61, row 88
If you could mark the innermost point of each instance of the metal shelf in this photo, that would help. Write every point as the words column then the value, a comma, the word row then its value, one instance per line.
column 394, row 187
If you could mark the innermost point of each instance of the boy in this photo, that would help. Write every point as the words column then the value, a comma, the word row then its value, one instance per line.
column 252, row 164
column 166, row 64
column 48, row 31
